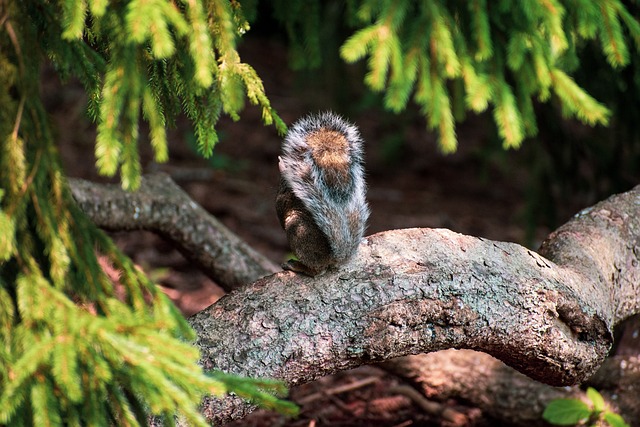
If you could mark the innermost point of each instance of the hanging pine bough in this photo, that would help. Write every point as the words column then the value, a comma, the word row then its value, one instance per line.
column 71, row 353
column 152, row 57
column 457, row 56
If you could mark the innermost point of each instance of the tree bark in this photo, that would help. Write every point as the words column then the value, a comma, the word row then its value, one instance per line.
column 423, row 290
column 159, row 205
column 417, row 291
column 502, row 393
column 602, row 243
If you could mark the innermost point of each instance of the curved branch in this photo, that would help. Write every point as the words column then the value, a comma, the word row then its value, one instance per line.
column 421, row 290
column 488, row 384
column 602, row 243
column 408, row 291
column 413, row 291
column 164, row 208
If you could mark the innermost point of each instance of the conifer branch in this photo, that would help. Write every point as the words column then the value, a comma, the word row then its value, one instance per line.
column 611, row 35
column 521, row 58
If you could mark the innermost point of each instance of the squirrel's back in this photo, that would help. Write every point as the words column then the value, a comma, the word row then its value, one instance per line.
column 322, row 162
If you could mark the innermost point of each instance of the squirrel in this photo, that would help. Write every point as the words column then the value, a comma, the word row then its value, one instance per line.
column 321, row 200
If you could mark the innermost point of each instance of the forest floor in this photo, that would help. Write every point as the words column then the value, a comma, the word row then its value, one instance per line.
column 411, row 184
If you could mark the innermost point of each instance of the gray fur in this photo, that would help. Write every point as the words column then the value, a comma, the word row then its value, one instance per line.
column 330, row 209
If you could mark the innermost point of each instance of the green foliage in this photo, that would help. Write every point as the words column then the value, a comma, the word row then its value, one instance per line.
column 76, row 346
column 154, row 56
column 569, row 162
column 505, row 56
column 302, row 22
column 596, row 399
column 614, row 420
column 453, row 56
column 262, row 391
column 568, row 412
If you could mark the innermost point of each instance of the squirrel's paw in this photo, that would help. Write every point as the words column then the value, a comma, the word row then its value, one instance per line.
column 298, row 267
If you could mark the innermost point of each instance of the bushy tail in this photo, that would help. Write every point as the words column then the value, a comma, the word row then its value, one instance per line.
column 322, row 161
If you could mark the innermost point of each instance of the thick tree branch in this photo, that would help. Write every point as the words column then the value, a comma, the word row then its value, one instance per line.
column 412, row 291
column 162, row 207
column 506, row 395
column 420, row 290
column 602, row 243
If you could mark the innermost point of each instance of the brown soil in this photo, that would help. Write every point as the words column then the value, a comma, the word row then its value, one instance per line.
column 411, row 184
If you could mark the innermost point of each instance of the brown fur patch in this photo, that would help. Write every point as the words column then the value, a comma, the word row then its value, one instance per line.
column 354, row 220
column 330, row 151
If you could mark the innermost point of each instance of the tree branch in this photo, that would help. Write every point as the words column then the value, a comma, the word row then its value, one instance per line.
column 602, row 243
column 506, row 395
column 407, row 292
column 413, row 291
column 162, row 207
column 420, row 290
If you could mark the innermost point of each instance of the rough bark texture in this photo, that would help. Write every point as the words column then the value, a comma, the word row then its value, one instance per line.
column 159, row 205
column 420, row 290
column 603, row 244
column 411, row 291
